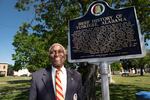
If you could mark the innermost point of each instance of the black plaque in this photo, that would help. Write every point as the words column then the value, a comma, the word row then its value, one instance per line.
column 104, row 33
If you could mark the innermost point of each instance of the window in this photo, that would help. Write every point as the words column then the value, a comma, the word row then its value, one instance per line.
column 4, row 67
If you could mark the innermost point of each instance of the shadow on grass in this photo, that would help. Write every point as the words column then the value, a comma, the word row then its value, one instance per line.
column 18, row 81
column 18, row 95
column 15, row 90
column 22, row 95
column 15, row 85
column 121, row 92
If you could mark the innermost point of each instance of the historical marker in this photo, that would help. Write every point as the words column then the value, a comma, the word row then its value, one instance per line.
column 104, row 34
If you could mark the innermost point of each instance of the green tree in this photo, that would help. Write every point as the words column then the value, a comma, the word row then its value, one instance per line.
column 137, row 63
column 140, row 63
column 116, row 66
column 30, row 50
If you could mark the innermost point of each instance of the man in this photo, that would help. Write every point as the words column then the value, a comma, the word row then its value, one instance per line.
column 56, row 82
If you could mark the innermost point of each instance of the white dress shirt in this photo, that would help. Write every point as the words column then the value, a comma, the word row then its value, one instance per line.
column 63, row 78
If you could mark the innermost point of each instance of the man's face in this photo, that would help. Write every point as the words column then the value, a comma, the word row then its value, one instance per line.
column 58, row 56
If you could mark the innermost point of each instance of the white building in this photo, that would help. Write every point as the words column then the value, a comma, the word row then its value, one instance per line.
column 22, row 72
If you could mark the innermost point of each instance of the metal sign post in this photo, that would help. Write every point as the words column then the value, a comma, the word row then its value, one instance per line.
column 104, row 80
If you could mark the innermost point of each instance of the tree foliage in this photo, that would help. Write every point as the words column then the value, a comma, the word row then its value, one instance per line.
column 116, row 66
column 30, row 50
column 140, row 63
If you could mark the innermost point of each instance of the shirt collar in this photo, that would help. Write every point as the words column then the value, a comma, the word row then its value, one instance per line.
column 62, row 69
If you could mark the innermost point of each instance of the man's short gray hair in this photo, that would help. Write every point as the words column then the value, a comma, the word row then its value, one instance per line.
column 58, row 44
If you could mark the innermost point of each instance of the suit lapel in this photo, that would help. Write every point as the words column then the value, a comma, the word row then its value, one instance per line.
column 47, row 80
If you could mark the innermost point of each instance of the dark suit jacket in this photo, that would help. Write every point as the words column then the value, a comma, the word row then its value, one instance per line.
column 42, row 85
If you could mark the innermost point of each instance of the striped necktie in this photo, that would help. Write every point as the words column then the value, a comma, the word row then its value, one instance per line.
column 58, row 84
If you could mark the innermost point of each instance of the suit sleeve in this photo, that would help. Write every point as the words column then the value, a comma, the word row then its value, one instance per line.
column 33, row 89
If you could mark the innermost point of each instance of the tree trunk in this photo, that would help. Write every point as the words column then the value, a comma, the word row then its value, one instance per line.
column 88, row 72
column 141, row 71
column 135, row 70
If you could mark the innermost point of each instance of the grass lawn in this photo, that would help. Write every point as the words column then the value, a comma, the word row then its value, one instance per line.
column 125, row 88
column 14, row 88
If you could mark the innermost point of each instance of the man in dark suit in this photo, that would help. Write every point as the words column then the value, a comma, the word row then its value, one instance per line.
column 43, row 85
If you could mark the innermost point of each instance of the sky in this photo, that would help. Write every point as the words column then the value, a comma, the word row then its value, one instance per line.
column 10, row 20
